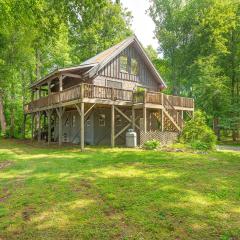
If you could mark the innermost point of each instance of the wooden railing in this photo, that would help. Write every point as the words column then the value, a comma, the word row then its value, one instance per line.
column 101, row 92
column 172, row 111
column 176, row 101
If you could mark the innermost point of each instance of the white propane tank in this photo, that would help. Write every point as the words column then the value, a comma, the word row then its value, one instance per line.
column 131, row 138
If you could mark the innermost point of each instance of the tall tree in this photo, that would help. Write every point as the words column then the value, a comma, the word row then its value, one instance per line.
column 200, row 41
column 38, row 36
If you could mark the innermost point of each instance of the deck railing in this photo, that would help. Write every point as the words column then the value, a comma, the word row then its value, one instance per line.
column 101, row 92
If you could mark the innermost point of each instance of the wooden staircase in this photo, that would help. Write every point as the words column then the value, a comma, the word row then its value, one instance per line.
column 172, row 118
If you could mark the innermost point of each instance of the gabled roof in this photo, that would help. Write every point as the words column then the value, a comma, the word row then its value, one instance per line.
column 103, row 58
column 96, row 63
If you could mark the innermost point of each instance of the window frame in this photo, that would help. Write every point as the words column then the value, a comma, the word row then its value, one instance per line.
column 120, row 62
column 137, row 66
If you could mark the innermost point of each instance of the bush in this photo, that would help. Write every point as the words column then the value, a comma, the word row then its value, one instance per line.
column 151, row 145
column 197, row 134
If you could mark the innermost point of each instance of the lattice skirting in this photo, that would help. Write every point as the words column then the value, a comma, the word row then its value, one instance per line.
column 165, row 138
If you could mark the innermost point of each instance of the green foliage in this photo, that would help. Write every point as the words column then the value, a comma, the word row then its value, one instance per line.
column 197, row 134
column 200, row 44
column 38, row 36
column 151, row 144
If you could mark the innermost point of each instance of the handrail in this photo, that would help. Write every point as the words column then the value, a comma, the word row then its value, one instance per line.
column 85, row 90
column 173, row 112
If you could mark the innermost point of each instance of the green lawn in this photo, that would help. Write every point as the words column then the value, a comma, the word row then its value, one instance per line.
column 52, row 193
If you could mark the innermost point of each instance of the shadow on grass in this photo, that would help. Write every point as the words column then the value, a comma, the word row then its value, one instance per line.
column 118, row 194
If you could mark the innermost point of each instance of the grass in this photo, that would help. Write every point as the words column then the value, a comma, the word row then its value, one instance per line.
column 52, row 193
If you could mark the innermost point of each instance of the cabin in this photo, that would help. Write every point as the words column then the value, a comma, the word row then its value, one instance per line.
column 97, row 102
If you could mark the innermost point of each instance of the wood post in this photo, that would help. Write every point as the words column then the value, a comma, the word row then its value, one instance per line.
column 112, row 126
column 60, row 112
column 49, row 113
column 82, row 122
column 82, row 126
column 133, row 118
column 39, row 125
column 82, row 91
column 60, row 83
column 60, row 129
column 144, row 119
column 162, row 117
column 32, row 125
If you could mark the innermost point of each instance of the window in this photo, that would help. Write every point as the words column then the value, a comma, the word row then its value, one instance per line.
column 134, row 66
column 101, row 120
column 114, row 84
column 123, row 63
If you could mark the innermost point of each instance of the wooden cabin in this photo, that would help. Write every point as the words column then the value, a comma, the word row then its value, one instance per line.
column 96, row 102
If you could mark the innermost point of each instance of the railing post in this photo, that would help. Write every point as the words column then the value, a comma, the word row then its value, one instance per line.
column 82, row 91
column 145, row 96
column 112, row 94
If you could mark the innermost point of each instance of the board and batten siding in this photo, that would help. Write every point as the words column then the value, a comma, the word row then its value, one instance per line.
column 112, row 72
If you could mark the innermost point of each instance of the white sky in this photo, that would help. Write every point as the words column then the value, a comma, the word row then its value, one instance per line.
column 142, row 24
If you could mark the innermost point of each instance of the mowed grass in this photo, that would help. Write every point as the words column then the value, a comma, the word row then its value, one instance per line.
column 52, row 193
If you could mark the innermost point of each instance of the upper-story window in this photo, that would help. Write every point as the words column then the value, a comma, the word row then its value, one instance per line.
column 129, row 65
column 124, row 63
column 134, row 66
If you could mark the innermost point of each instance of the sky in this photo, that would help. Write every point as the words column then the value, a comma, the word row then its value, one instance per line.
column 142, row 24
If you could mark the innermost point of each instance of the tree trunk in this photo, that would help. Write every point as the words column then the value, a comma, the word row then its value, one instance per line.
column 12, row 109
column 38, row 64
column 216, row 128
column 234, row 135
column 2, row 116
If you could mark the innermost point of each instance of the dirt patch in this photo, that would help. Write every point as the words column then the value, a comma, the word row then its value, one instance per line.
column 84, row 184
column 4, row 196
column 27, row 213
column 5, row 164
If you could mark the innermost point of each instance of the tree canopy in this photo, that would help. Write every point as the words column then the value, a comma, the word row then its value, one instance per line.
column 200, row 42
column 38, row 36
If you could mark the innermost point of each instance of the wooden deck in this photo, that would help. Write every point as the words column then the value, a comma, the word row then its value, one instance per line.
column 104, row 95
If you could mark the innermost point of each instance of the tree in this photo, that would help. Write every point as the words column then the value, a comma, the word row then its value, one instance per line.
column 200, row 41
column 38, row 36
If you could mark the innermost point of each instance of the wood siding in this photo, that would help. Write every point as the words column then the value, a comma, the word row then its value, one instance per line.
column 130, row 81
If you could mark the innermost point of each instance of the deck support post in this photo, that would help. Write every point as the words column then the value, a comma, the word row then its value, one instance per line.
column 81, row 112
column 82, row 126
column 60, row 112
column 112, row 126
column 162, row 120
column 32, row 125
column 144, row 119
column 39, row 125
column 133, row 118
column 49, row 114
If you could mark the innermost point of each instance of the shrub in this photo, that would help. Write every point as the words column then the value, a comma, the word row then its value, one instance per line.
column 151, row 144
column 197, row 134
